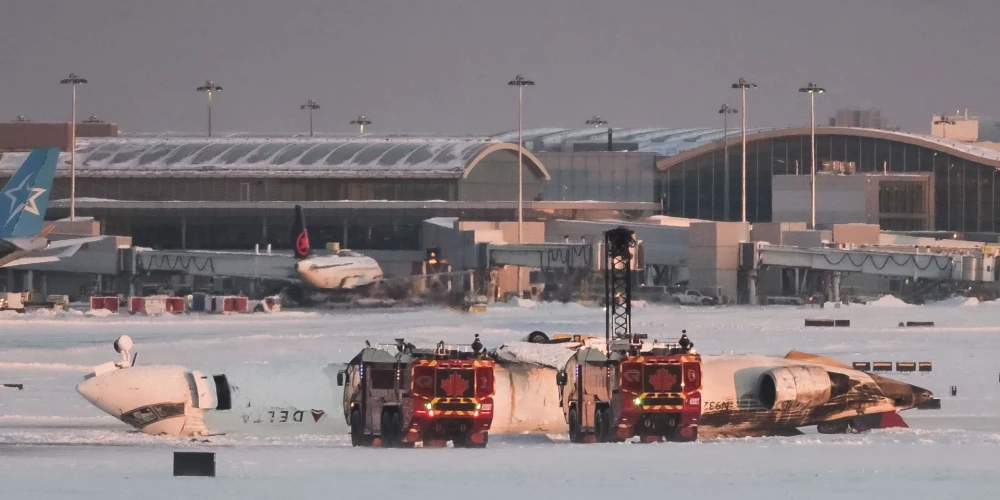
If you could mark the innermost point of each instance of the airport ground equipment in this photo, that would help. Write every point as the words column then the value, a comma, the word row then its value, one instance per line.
column 628, row 386
column 399, row 395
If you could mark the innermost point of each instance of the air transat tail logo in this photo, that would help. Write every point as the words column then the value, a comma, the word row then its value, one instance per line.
column 662, row 380
column 23, row 197
column 302, row 244
column 455, row 386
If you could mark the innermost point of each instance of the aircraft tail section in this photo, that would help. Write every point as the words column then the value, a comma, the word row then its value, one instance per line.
column 300, row 235
column 25, row 198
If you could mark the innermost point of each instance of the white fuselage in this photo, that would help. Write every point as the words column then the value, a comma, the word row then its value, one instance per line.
column 298, row 399
column 342, row 271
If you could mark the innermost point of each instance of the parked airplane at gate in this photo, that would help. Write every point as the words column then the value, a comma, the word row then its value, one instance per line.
column 23, row 203
column 741, row 396
column 343, row 270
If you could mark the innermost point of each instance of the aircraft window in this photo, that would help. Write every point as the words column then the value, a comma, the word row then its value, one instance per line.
column 344, row 153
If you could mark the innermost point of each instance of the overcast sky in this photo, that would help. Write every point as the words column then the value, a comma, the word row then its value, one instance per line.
column 442, row 65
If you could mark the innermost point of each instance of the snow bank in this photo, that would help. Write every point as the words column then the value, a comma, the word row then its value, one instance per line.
column 99, row 313
column 957, row 302
column 888, row 301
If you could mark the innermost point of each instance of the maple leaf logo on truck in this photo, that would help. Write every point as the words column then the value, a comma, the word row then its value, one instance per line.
column 662, row 380
column 455, row 386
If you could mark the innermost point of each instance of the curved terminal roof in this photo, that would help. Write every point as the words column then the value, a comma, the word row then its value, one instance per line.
column 679, row 144
column 967, row 151
column 387, row 157
column 662, row 141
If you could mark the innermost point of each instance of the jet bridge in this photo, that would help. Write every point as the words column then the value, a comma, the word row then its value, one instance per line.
column 971, row 266
column 544, row 256
column 207, row 263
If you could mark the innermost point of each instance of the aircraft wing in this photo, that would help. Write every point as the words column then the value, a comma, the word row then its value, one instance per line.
column 77, row 242
column 71, row 246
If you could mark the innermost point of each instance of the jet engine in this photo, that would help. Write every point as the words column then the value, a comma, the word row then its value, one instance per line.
column 789, row 387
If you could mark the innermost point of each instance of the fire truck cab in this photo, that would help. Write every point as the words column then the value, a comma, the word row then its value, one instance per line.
column 398, row 395
column 650, row 390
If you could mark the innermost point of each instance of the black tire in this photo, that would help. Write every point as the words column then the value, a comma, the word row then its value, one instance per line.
column 600, row 425
column 357, row 429
column 259, row 308
column 391, row 429
column 537, row 337
column 575, row 435
column 460, row 440
column 835, row 427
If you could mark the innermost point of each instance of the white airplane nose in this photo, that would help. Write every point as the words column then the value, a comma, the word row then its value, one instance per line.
column 152, row 399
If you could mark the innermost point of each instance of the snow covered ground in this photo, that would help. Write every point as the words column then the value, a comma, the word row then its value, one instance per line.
column 53, row 444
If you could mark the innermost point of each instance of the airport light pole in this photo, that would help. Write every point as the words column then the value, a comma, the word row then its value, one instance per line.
column 725, row 111
column 361, row 121
column 520, row 82
column 944, row 121
column 596, row 121
column 208, row 89
column 311, row 106
column 73, row 80
column 743, row 85
column 812, row 89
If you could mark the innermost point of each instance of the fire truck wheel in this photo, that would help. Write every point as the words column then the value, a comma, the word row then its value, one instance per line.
column 357, row 429
column 575, row 436
column 390, row 429
column 396, row 426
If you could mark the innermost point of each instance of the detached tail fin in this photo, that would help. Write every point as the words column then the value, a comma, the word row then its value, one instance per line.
column 25, row 198
column 300, row 236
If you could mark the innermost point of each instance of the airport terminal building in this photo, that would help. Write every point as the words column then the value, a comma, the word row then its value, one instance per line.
column 373, row 192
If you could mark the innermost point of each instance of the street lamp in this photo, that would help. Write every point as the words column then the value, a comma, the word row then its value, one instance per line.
column 361, row 121
column 812, row 89
column 596, row 121
column 725, row 111
column 73, row 80
column 520, row 82
column 311, row 106
column 208, row 89
column 743, row 85
column 944, row 120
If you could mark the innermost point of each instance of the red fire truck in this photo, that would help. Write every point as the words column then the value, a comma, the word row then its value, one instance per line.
column 626, row 386
column 398, row 395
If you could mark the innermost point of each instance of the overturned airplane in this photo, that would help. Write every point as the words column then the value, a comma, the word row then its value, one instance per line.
column 741, row 396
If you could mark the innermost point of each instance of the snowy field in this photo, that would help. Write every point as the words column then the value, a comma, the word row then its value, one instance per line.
column 53, row 444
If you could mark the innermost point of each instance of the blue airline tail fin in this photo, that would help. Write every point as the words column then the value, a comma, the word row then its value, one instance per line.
column 25, row 198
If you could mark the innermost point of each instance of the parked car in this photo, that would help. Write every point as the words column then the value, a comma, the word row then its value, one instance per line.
column 694, row 297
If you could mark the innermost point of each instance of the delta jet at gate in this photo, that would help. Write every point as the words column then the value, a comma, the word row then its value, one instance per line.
column 344, row 270
column 23, row 203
